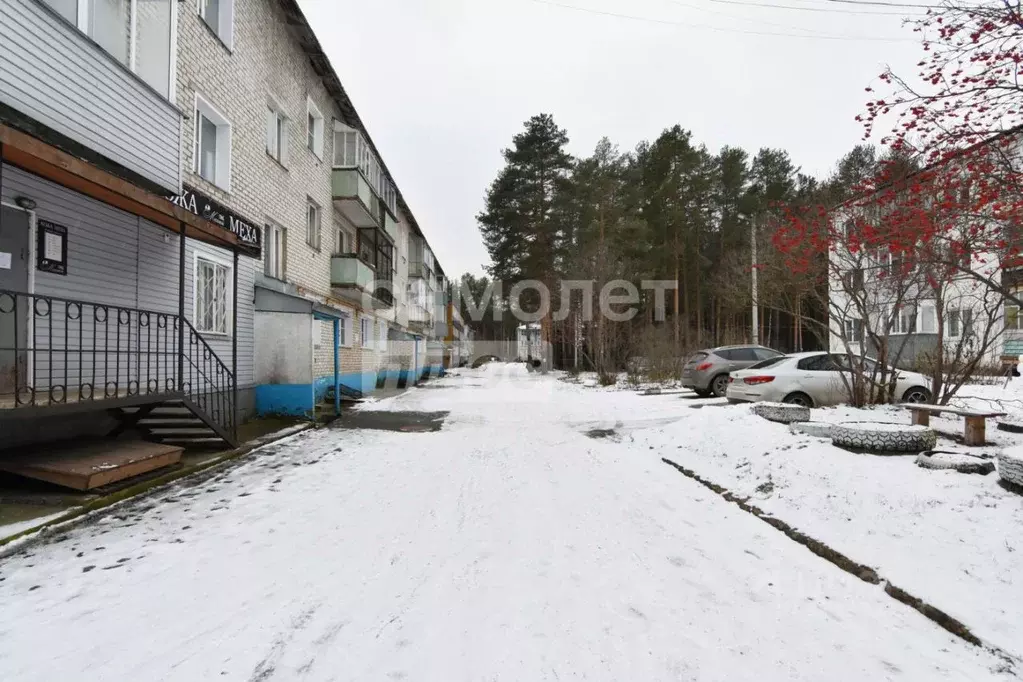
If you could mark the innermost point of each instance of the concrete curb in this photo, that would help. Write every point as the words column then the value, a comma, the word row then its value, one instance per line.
column 98, row 508
column 864, row 573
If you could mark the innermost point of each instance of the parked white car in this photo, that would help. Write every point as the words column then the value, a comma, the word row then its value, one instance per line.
column 812, row 379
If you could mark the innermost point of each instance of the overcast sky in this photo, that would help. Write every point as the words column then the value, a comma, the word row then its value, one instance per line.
column 443, row 85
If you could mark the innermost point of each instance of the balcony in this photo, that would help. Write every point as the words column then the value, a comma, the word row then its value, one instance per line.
column 354, row 198
column 356, row 281
column 73, row 75
column 390, row 226
column 420, row 270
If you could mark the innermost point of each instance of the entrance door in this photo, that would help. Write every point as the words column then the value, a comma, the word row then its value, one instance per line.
column 14, row 309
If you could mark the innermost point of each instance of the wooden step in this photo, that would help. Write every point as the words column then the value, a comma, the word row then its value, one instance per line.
column 90, row 465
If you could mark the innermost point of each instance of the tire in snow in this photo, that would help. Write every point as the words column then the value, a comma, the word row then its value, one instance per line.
column 877, row 437
column 1010, row 465
column 1010, row 425
column 781, row 412
column 955, row 461
column 815, row 429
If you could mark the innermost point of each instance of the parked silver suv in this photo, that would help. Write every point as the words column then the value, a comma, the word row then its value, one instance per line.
column 706, row 371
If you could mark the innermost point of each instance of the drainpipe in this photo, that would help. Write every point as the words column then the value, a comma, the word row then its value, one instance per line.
column 337, row 368
column 181, row 310
column 234, row 349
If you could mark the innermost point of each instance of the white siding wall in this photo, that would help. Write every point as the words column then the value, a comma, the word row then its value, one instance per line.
column 116, row 258
column 54, row 74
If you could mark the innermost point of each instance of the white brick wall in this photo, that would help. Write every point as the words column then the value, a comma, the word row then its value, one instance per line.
column 266, row 62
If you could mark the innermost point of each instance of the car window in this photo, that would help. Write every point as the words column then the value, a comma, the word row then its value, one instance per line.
column 744, row 355
column 766, row 353
column 726, row 354
column 695, row 357
column 818, row 363
column 769, row 363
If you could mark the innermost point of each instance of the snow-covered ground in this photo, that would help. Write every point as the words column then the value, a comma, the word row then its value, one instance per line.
column 507, row 546
column 954, row 540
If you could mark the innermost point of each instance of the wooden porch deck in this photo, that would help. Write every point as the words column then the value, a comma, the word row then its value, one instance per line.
column 90, row 465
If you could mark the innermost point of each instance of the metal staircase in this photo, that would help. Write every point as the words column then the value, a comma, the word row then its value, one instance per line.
column 150, row 370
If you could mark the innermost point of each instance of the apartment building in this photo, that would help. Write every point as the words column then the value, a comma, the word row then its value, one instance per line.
column 271, row 137
column 915, row 306
column 117, row 287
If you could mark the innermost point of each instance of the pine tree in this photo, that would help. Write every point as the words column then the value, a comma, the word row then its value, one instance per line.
column 524, row 222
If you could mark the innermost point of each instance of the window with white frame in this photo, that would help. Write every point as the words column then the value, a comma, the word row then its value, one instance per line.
column 344, row 338
column 366, row 333
column 312, row 224
column 927, row 320
column 276, row 132
column 275, row 250
column 344, row 240
column 904, row 320
column 136, row 33
column 219, row 16
column 314, row 128
column 212, row 305
column 352, row 150
column 854, row 331
column 212, row 144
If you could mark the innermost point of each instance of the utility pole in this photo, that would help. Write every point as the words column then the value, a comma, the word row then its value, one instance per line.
column 753, row 271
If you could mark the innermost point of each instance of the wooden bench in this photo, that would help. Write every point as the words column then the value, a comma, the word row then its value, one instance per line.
column 976, row 422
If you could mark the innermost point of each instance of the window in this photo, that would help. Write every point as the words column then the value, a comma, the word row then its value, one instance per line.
column 953, row 323
column 65, row 8
column 135, row 33
column 383, row 336
column 367, row 336
column 769, row 363
column 276, row 133
column 739, row 355
column 275, row 250
column 212, row 144
column 904, row 320
column 314, row 129
column 344, row 332
column 854, row 279
column 108, row 25
column 766, row 354
column 312, row 232
column 218, row 15
column 818, row 363
column 352, row 150
column 1012, row 317
column 854, row 331
column 211, row 314
column 928, row 320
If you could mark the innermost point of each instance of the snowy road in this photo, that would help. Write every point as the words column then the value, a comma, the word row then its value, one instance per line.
column 508, row 546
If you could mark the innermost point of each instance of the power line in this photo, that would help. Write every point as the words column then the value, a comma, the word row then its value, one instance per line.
column 882, row 3
column 826, row 10
column 720, row 28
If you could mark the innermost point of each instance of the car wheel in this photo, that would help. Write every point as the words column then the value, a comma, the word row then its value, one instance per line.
column 917, row 394
column 702, row 392
column 719, row 385
column 800, row 399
